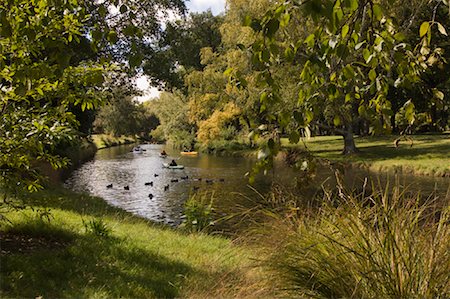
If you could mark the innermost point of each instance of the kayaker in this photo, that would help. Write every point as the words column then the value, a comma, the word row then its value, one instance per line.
column 173, row 163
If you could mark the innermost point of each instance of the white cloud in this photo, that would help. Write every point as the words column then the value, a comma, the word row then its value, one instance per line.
column 216, row 6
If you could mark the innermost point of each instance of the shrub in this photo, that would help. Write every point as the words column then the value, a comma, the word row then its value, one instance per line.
column 198, row 212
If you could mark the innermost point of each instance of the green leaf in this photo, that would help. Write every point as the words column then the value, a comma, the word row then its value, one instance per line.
column 289, row 54
column 310, row 40
column 247, row 21
column 228, row 72
column 265, row 55
column 272, row 27
column 362, row 110
column 298, row 117
column 424, row 29
column 294, row 137
column 372, row 75
column 285, row 20
column 377, row 12
column 112, row 37
column 309, row 115
column 337, row 120
column 263, row 98
column 345, row 30
column 366, row 55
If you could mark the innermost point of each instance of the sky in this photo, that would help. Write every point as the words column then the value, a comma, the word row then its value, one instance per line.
column 216, row 6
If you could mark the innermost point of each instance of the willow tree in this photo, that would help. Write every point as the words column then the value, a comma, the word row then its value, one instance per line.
column 351, row 52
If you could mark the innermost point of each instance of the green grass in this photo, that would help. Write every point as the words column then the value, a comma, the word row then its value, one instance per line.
column 92, row 250
column 104, row 140
column 429, row 155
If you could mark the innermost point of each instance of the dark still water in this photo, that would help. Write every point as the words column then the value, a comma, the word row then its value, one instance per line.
column 223, row 175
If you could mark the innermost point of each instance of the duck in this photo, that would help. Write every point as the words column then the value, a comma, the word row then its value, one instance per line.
column 150, row 196
column 174, row 180
column 156, row 175
column 166, row 187
column 109, row 186
column 184, row 177
column 195, row 188
column 126, row 187
column 149, row 184
column 209, row 181
column 221, row 180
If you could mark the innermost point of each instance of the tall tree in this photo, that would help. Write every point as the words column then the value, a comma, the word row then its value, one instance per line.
column 352, row 53
column 178, row 50
column 54, row 55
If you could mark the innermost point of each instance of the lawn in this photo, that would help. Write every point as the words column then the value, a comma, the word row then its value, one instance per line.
column 105, row 140
column 91, row 250
column 428, row 155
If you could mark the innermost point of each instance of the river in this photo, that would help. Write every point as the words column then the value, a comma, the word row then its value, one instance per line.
column 223, row 175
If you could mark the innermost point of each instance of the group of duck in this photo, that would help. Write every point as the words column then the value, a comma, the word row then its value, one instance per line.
column 174, row 180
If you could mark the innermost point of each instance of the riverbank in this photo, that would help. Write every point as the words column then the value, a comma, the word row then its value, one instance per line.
column 77, row 246
column 104, row 140
column 427, row 155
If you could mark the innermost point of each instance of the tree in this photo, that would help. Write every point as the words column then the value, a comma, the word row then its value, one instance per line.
column 172, row 111
column 352, row 53
column 54, row 55
column 178, row 50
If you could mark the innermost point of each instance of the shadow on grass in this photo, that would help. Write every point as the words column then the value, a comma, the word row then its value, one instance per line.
column 92, row 267
column 386, row 152
column 84, row 204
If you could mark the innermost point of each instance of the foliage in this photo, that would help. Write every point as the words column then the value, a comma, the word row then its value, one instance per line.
column 40, row 82
column 377, row 244
column 178, row 50
column 212, row 128
column 172, row 111
column 97, row 227
column 198, row 211
column 54, row 57
column 348, row 55
column 122, row 115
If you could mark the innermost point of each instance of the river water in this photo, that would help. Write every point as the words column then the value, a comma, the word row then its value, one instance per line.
column 224, row 175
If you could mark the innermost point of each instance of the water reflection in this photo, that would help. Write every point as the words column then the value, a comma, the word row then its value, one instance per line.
column 120, row 167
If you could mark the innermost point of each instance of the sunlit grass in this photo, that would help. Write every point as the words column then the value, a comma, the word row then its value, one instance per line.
column 428, row 155
column 131, row 258
column 105, row 140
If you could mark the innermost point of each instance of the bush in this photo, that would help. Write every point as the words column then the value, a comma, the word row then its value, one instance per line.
column 381, row 245
column 198, row 211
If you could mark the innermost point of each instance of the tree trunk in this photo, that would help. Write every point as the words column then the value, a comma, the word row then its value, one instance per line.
column 349, row 142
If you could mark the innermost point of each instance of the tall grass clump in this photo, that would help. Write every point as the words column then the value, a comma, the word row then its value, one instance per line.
column 385, row 244
column 199, row 212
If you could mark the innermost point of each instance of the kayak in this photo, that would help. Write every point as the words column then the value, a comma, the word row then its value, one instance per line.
column 167, row 165
column 137, row 150
column 189, row 153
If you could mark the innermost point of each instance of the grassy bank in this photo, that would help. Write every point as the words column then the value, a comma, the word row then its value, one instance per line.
column 428, row 155
column 91, row 250
column 105, row 140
